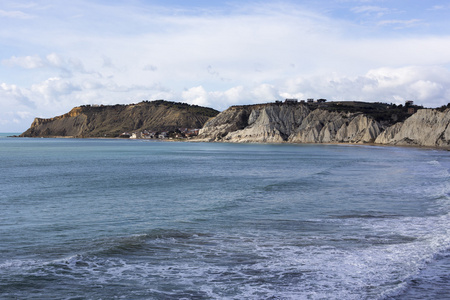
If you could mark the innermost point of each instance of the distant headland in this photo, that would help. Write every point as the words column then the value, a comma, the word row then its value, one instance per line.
column 291, row 121
column 148, row 119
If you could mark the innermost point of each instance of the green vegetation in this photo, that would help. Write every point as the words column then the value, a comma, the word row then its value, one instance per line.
column 443, row 107
column 184, row 106
column 381, row 112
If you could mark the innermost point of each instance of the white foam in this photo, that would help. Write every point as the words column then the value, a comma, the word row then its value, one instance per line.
column 257, row 264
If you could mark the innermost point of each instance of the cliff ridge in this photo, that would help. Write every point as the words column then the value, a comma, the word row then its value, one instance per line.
column 334, row 122
column 113, row 120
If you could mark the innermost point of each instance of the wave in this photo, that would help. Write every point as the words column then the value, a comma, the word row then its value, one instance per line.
column 289, row 186
column 155, row 238
column 366, row 215
column 171, row 264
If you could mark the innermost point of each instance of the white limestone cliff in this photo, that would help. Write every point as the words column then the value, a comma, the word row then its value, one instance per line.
column 427, row 127
column 297, row 123
column 289, row 123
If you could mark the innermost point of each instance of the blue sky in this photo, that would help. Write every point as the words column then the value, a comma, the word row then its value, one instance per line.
column 55, row 55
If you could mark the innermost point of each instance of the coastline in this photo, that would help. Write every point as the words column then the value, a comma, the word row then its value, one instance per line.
column 194, row 140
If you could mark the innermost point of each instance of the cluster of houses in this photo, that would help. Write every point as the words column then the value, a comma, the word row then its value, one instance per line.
column 310, row 100
column 180, row 133
column 409, row 104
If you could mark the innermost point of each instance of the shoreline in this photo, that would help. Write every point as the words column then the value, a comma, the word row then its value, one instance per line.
column 193, row 140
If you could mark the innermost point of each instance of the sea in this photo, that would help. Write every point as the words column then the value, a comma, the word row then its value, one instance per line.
column 138, row 219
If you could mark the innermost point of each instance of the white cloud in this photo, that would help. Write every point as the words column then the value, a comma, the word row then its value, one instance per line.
column 265, row 92
column 426, row 89
column 237, row 95
column 15, row 14
column 150, row 67
column 439, row 7
column 24, row 114
column 15, row 108
column 26, row 62
column 196, row 95
column 65, row 66
column 54, row 87
column 400, row 23
column 55, row 60
column 371, row 10
column 13, row 95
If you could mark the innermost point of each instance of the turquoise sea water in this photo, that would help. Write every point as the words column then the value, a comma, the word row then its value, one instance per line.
column 123, row 219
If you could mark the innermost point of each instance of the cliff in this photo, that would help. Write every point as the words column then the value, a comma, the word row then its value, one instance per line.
column 112, row 120
column 427, row 127
column 338, row 122
column 297, row 123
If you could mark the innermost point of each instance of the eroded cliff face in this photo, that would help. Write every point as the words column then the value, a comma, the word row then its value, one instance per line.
column 427, row 127
column 256, row 123
column 295, row 123
column 298, row 123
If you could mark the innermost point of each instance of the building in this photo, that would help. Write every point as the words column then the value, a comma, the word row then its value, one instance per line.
column 163, row 135
column 136, row 135
column 125, row 135
column 148, row 134
column 192, row 132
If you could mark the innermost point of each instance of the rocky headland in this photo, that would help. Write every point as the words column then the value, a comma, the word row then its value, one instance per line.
column 279, row 122
column 332, row 122
column 115, row 120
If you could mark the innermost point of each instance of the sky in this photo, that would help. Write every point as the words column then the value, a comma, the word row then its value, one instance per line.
column 55, row 55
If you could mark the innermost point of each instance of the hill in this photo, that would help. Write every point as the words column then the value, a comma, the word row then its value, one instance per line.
column 113, row 120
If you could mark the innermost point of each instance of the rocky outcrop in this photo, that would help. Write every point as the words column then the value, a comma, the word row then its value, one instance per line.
column 112, row 120
column 301, row 123
column 427, row 127
column 256, row 123
column 295, row 123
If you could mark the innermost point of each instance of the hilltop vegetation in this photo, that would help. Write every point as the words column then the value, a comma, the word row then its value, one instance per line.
column 113, row 120
column 384, row 113
column 387, row 114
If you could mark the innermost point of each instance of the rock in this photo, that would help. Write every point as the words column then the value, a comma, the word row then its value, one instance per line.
column 427, row 127
column 269, row 124
column 274, row 123
column 387, row 136
column 360, row 129
column 231, row 120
